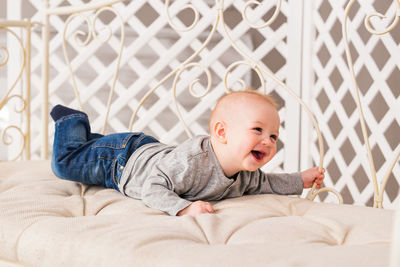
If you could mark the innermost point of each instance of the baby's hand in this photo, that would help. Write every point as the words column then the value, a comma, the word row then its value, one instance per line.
column 197, row 207
column 312, row 175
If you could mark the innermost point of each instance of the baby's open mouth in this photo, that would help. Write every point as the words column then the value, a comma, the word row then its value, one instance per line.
column 257, row 154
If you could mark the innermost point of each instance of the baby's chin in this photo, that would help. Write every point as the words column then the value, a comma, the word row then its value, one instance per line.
column 251, row 164
column 252, row 167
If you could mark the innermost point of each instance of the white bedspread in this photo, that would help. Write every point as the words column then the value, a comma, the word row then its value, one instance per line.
column 46, row 221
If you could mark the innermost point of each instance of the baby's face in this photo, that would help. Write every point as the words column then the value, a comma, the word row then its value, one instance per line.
column 252, row 134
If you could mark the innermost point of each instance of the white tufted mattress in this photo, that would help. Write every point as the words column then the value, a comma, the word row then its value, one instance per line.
column 46, row 221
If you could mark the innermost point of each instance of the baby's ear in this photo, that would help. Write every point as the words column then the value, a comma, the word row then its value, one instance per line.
column 220, row 132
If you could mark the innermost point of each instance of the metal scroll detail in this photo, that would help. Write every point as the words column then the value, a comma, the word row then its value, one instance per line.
column 10, row 134
column 313, row 192
column 182, row 29
column 378, row 190
column 267, row 23
column 219, row 4
column 260, row 70
column 93, row 34
column 184, row 66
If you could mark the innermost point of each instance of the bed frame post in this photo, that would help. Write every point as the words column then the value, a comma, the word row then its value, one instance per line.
column 45, row 82
column 394, row 253
column 27, row 88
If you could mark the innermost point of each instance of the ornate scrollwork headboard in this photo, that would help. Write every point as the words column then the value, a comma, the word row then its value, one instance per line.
column 188, row 63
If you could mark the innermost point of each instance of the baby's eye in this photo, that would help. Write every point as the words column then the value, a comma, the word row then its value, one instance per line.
column 258, row 129
column 274, row 137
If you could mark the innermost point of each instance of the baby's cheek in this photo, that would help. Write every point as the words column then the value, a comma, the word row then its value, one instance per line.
column 242, row 149
column 273, row 152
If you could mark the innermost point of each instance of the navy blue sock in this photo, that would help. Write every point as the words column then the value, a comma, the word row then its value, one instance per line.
column 60, row 111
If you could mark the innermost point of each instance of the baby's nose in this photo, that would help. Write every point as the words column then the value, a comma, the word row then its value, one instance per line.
column 266, row 141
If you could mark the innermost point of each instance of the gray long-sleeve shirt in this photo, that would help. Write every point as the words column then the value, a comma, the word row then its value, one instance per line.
column 169, row 178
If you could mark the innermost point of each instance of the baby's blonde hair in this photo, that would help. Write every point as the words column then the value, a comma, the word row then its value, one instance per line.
column 268, row 98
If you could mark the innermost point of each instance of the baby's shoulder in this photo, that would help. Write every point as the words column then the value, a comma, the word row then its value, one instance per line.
column 196, row 146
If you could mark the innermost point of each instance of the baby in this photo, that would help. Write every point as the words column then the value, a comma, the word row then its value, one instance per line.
column 244, row 129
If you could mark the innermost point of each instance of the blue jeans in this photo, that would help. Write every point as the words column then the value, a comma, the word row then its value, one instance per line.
column 82, row 156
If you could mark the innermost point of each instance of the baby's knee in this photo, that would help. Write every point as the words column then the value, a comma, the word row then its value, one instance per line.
column 55, row 167
column 58, row 169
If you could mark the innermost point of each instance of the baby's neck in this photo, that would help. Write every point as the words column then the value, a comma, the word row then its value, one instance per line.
column 223, row 158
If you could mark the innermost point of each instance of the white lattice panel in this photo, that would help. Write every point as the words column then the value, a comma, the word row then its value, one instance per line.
column 376, row 63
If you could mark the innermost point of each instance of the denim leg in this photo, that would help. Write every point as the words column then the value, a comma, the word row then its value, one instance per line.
column 72, row 157
column 82, row 156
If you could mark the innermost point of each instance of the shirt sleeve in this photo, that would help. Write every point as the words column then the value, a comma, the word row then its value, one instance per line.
column 274, row 183
column 156, row 194
column 169, row 179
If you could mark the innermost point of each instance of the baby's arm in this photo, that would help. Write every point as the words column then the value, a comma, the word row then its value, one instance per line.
column 312, row 175
column 197, row 207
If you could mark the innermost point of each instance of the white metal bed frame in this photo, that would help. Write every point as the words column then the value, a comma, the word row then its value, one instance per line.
column 24, row 70
column 107, row 5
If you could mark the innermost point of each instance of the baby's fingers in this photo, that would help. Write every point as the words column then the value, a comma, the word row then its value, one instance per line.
column 318, row 181
column 208, row 207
